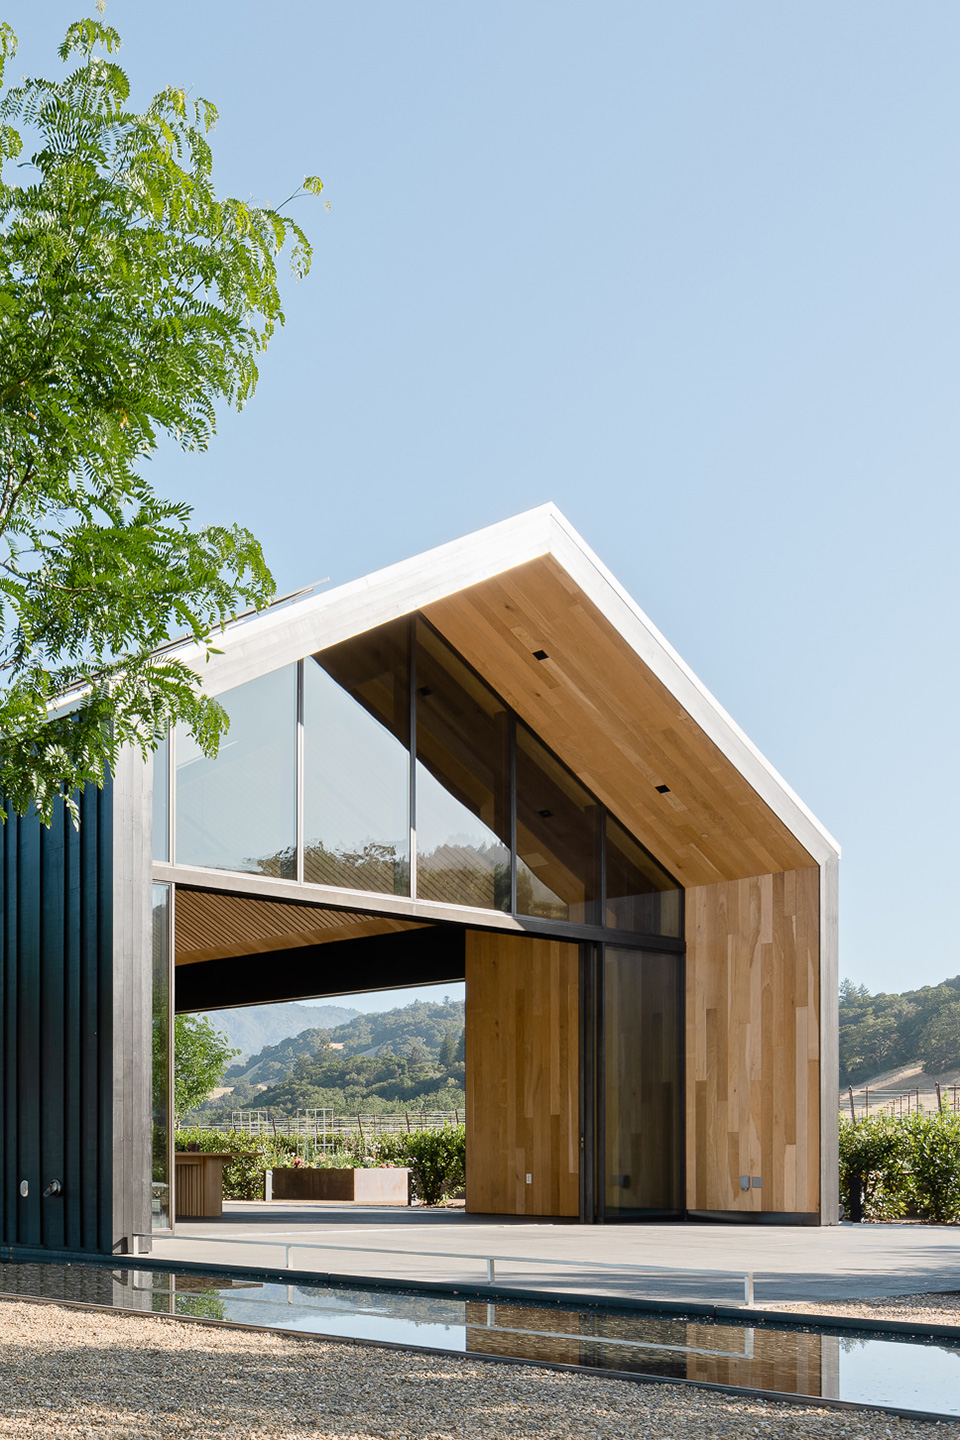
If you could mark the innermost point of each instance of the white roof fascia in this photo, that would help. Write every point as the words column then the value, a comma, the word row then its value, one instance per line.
column 640, row 633
column 266, row 642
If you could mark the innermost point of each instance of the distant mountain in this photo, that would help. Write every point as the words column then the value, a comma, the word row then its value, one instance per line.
column 417, row 1029
column 250, row 1028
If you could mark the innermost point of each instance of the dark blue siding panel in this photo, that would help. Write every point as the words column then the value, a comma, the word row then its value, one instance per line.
column 55, row 1029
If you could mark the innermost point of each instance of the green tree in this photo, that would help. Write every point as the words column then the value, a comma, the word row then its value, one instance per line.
column 448, row 1050
column 938, row 1044
column 132, row 302
column 200, row 1056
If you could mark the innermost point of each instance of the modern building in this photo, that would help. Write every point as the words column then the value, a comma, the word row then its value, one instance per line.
column 484, row 763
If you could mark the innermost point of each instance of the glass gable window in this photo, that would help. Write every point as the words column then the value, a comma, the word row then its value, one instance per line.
column 641, row 896
column 462, row 782
column 239, row 811
column 497, row 820
column 558, row 838
column 356, row 763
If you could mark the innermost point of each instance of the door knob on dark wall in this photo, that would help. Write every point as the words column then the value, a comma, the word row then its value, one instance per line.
column 54, row 1188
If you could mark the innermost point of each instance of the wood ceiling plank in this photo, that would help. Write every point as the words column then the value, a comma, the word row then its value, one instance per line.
column 615, row 724
column 214, row 926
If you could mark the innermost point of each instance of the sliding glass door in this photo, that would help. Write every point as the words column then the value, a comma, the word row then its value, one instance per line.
column 633, row 1084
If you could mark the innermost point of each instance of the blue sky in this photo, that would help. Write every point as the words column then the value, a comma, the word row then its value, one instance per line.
column 691, row 272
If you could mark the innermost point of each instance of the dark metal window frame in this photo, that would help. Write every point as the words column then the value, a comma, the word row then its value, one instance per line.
column 592, row 1088
column 367, row 900
column 559, row 928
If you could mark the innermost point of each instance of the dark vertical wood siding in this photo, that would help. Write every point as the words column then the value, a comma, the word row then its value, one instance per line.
column 56, row 1002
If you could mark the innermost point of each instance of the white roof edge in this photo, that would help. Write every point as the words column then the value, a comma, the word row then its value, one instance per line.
column 307, row 625
column 658, row 654
column 269, row 640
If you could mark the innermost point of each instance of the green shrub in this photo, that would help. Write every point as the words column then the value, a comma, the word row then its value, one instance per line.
column 875, row 1150
column 933, row 1143
column 255, row 1154
column 905, row 1161
column 437, row 1160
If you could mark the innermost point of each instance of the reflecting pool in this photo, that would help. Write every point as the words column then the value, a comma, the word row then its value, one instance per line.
column 904, row 1373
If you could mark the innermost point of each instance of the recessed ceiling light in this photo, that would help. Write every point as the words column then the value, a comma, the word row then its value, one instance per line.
column 663, row 789
column 540, row 655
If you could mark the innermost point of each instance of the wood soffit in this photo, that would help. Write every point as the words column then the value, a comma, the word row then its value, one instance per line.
column 241, row 925
column 615, row 724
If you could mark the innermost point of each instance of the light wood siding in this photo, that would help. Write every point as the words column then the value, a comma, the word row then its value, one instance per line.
column 713, row 1354
column 753, row 1043
column 522, row 1050
column 780, row 1360
column 618, row 727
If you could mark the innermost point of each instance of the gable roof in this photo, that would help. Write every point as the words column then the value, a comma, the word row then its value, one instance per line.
column 612, row 697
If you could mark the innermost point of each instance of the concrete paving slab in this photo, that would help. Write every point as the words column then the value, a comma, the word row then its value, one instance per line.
column 655, row 1261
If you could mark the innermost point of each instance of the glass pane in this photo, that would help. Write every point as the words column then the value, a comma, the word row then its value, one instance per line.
column 238, row 812
column 558, row 838
column 641, row 895
column 161, row 800
column 356, row 787
column 463, row 782
column 160, row 1205
column 642, row 1082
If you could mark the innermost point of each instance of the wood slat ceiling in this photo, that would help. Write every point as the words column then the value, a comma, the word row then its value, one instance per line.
column 211, row 926
column 618, row 727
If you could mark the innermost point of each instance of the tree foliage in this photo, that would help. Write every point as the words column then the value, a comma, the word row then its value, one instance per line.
column 401, row 1033
column 200, row 1056
column 881, row 1032
column 938, row 1043
column 133, row 301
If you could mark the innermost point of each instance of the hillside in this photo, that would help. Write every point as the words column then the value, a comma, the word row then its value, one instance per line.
column 408, row 1030
column 410, row 1058
column 917, row 1033
column 249, row 1028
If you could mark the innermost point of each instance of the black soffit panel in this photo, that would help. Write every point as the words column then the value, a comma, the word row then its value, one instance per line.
column 432, row 955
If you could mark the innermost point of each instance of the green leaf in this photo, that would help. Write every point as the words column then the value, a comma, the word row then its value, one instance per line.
column 134, row 304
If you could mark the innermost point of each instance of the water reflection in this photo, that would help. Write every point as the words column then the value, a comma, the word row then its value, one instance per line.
column 907, row 1374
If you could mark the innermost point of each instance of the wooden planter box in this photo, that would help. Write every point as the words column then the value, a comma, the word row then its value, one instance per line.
column 361, row 1187
column 199, row 1183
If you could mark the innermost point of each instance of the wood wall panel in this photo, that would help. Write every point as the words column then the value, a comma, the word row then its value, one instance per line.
column 753, row 1064
column 618, row 727
column 522, row 1053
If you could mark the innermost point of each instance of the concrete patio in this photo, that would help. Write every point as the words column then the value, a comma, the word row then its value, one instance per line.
column 807, row 1264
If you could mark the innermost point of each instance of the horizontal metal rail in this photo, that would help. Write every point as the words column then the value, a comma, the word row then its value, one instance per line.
column 289, row 1246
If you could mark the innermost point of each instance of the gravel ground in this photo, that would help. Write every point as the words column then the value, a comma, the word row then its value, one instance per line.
column 69, row 1373
column 932, row 1309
